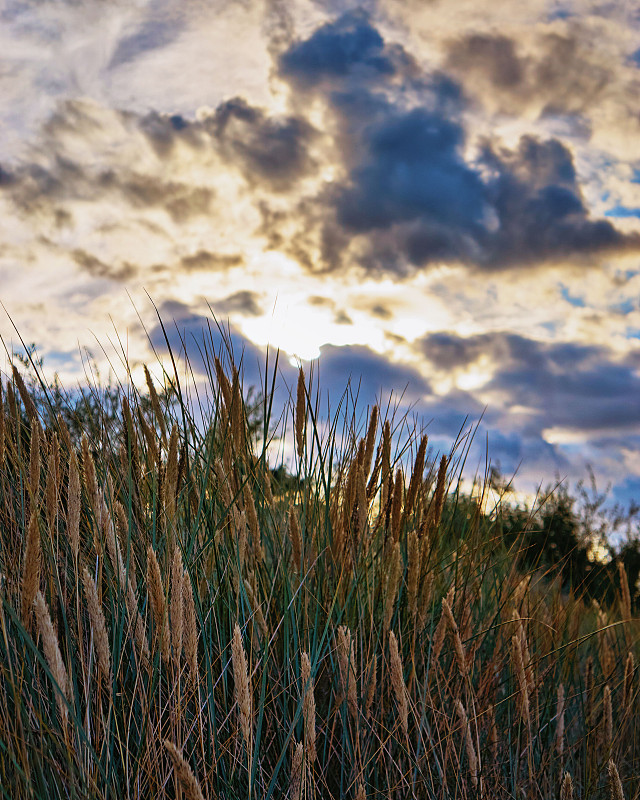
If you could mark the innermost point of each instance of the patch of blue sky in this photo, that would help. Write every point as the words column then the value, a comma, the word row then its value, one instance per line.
column 622, row 211
column 578, row 302
column 624, row 308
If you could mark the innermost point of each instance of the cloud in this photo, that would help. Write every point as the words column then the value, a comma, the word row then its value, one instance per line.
column 348, row 47
column 566, row 386
column 204, row 260
column 99, row 269
column 414, row 195
column 371, row 373
column 267, row 148
column 243, row 302
column 555, row 72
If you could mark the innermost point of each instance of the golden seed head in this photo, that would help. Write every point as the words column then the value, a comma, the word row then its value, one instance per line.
column 566, row 790
column 242, row 686
column 187, row 779
column 615, row 784
column 397, row 681
column 98, row 623
column 30, row 569
column 52, row 652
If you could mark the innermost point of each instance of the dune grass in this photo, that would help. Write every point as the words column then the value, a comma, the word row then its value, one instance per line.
column 175, row 622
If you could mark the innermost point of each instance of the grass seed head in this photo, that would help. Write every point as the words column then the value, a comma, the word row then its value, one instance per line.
column 242, row 687
column 187, row 779
column 31, row 569
column 98, row 624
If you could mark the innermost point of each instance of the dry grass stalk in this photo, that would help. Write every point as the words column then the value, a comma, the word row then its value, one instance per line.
column 413, row 572
column 12, row 404
column 493, row 733
column 441, row 628
column 34, row 462
column 615, row 784
column 155, row 405
column 295, row 782
column 566, row 790
column 127, row 582
column 242, row 687
column 308, row 708
column 301, row 409
column 98, row 624
column 296, row 538
column 256, row 608
column 347, row 667
column 29, row 405
column 385, row 469
column 51, row 485
column 437, row 502
column 158, row 603
column 370, row 441
column 30, row 569
column 170, row 483
column 361, row 793
column 190, row 624
column 177, row 612
column 461, row 656
column 560, row 721
column 468, row 742
column 237, row 414
column 187, row 779
column 518, row 663
column 223, row 382
column 362, row 504
column 52, row 653
column 625, row 601
column 371, row 687
column 416, row 475
column 153, row 453
column 2, row 427
column 89, row 475
column 222, row 483
column 607, row 719
column 391, row 588
column 588, row 692
column 426, row 587
column 254, row 525
column 397, row 681
column 396, row 506
column 627, row 695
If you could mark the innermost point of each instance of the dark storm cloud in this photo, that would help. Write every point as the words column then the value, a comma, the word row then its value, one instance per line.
column 348, row 47
column 412, row 170
column 570, row 385
column 203, row 336
column 374, row 374
column 268, row 149
column 415, row 195
column 541, row 213
column 411, row 196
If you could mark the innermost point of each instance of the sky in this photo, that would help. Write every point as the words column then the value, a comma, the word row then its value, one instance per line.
column 435, row 198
